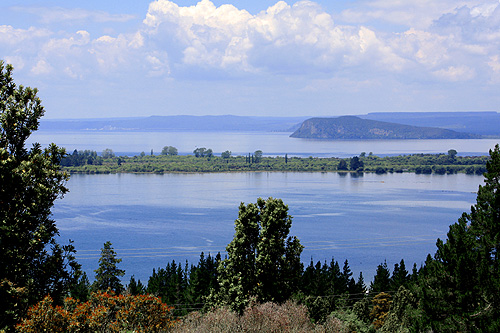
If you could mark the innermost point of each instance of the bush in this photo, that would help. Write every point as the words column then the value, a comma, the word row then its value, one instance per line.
column 103, row 312
column 267, row 317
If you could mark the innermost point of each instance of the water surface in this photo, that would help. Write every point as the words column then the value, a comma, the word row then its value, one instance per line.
column 154, row 219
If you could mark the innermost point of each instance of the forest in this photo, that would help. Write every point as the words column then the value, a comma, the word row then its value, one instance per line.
column 204, row 160
column 260, row 284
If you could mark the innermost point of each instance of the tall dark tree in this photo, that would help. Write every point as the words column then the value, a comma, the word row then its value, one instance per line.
column 399, row 276
column 382, row 279
column 263, row 261
column 356, row 163
column 460, row 286
column 108, row 274
column 32, row 263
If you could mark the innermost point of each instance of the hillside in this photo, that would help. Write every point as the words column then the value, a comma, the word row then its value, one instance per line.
column 481, row 123
column 352, row 128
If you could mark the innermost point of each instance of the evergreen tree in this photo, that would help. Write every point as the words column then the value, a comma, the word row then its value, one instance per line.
column 32, row 263
column 81, row 289
column 460, row 286
column 108, row 274
column 262, row 262
column 135, row 288
column 399, row 276
column 382, row 280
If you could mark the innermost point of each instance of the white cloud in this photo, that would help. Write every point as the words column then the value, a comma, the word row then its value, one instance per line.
column 454, row 74
column 42, row 67
column 12, row 36
column 449, row 41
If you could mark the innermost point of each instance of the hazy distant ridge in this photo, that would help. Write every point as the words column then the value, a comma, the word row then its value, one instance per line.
column 177, row 123
column 351, row 127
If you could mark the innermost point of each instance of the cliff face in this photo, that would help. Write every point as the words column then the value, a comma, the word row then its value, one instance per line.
column 354, row 128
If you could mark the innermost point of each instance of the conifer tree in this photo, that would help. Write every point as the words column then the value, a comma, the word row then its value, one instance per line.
column 460, row 287
column 108, row 274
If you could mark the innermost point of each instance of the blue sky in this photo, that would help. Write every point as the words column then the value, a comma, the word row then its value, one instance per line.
column 119, row 58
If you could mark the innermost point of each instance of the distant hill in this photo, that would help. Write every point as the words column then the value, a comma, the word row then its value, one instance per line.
column 353, row 128
column 485, row 123
column 176, row 123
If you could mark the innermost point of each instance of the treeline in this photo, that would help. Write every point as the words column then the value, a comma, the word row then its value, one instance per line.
column 323, row 287
column 203, row 160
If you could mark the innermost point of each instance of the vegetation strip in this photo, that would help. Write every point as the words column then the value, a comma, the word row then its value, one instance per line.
column 203, row 160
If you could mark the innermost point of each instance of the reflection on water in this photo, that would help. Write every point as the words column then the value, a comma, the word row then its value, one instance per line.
column 153, row 219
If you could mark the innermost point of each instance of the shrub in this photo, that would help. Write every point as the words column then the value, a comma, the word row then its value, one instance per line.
column 104, row 312
column 267, row 317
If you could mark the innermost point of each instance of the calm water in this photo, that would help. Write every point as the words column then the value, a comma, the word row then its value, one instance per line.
column 153, row 219
column 241, row 143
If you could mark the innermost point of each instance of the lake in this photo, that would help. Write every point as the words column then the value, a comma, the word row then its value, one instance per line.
column 154, row 219
column 242, row 143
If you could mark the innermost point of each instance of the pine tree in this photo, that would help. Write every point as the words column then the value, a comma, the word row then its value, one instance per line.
column 108, row 274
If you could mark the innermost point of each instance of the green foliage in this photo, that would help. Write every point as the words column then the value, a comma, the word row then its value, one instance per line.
column 403, row 314
column 108, row 274
column 356, row 164
column 169, row 151
column 382, row 280
column 262, row 260
column 32, row 263
column 342, row 166
column 107, row 153
column 203, row 152
column 459, row 288
column 86, row 162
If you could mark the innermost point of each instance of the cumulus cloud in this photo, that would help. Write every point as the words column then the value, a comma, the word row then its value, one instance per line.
column 446, row 40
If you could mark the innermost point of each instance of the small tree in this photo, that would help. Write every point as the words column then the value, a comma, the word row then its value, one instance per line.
column 108, row 275
column 169, row 150
column 258, row 156
column 356, row 163
column 342, row 166
column 107, row 153
column 226, row 154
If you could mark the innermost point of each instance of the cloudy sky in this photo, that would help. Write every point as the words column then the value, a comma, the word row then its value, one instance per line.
column 114, row 58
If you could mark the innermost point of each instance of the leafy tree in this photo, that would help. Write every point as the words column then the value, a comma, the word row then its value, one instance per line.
column 32, row 263
column 169, row 151
column 258, row 156
column 226, row 154
column 203, row 152
column 107, row 153
column 108, row 274
column 342, row 165
column 262, row 260
column 452, row 153
column 356, row 163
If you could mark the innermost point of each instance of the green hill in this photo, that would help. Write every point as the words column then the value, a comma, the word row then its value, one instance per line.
column 354, row 128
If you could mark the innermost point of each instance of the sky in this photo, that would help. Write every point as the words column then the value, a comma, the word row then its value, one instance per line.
column 128, row 58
